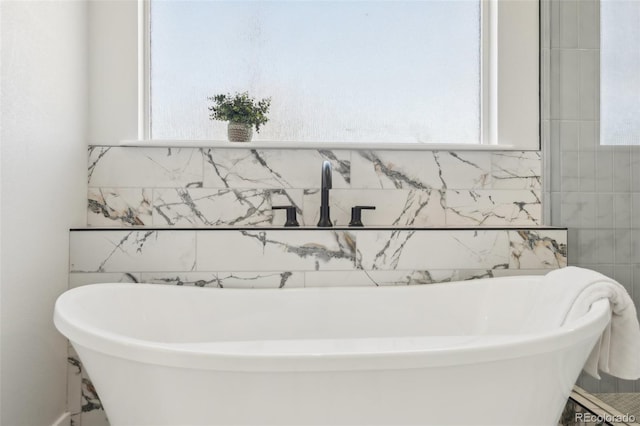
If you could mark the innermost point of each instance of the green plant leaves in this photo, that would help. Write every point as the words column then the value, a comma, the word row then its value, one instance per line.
column 240, row 108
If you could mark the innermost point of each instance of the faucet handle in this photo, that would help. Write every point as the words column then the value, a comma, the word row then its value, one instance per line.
column 356, row 215
column 292, row 219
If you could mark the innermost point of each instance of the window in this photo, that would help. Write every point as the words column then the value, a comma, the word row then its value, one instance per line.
column 349, row 71
column 500, row 88
column 336, row 71
column 619, row 72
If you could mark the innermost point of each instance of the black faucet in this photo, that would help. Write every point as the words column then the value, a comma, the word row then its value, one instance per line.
column 325, row 220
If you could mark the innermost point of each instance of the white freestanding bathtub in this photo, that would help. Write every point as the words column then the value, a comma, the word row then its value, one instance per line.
column 465, row 353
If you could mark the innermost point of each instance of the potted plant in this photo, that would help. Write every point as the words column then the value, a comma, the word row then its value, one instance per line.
column 242, row 112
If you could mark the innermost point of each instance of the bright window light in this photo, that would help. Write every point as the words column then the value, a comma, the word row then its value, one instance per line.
column 336, row 71
column 619, row 72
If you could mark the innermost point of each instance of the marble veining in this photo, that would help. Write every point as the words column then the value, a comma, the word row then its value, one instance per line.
column 493, row 208
column 226, row 279
column 396, row 277
column 132, row 251
column 269, row 251
column 238, row 168
column 210, row 187
column 517, row 170
column 95, row 155
column 398, row 207
column 224, row 207
column 145, row 167
column 433, row 250
column 530, row 248
column 87, row 398
column 272, row 250
column 136, row 240
column 391, row 250
column 422, row 169
column 389, row 173
column 120, row 207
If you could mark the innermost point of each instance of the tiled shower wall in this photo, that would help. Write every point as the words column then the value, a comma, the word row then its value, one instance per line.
column 594, row 189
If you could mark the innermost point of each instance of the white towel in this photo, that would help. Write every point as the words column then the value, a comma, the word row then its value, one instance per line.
column 576, row 289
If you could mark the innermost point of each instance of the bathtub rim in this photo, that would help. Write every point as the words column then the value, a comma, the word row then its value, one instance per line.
column 587, row 327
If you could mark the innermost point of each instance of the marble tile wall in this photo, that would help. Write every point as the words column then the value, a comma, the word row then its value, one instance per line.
column 278, row 258
column 206, row 187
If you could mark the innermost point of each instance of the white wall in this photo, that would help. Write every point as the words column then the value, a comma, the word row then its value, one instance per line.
column 113, row 71
column 44, row 115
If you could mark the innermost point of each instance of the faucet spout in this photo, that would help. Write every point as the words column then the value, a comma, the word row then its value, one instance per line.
column 326, row 174
column 325, row 220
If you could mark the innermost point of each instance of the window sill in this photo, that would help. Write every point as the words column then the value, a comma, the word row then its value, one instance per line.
column 316, row 145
